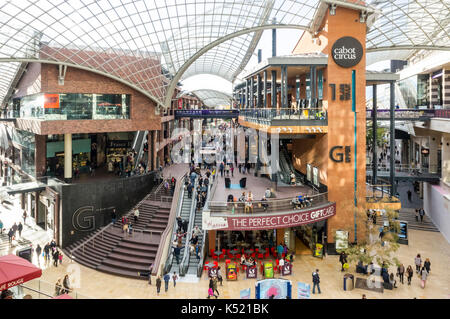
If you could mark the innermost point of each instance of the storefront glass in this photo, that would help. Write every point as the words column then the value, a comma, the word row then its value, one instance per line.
column 75, row 106
column 24, row 150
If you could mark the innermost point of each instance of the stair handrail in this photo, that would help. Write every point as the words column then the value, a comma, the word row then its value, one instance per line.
column 107, row 227
column 169, row 260
column 165, row 238
column 202, row 252
column 182, row 268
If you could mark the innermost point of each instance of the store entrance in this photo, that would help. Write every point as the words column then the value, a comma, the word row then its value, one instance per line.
column 307, row 236
column 245, row 239
column 41, row 219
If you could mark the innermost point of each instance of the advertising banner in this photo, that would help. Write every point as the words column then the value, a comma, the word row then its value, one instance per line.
column 304, row 290
column 286, row 270
column 268, row 269
column 341, row 239
column 252, row 272
column 272, row 221
column 231, row 272
column 318, row 251
column 51, row 101
column 273, row 289
column 245, row 293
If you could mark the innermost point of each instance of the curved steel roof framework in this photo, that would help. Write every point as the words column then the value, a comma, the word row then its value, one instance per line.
column 151, row 45
column 213, row 98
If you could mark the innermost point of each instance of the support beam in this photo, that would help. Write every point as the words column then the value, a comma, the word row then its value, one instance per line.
column 258, row 91
column 252, row 92
column 265, row 89
column 374, row 135
column 67, row 157
column 274, row 89
column 392, row 139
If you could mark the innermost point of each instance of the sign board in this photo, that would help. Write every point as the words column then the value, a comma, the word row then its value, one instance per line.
column 268, row 269
column 309, row 172
column 252, row 272
column 304, row 290
column 286, row 270
column 273, row 289
column 318, row 251
column 231, row 272
column 51, row 101
column 316, row 176
column 272, row 221
column 341, row 239
column 212, row 272
column 347, row 52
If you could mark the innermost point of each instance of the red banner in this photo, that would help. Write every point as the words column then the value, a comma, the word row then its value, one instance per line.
column 280, row 221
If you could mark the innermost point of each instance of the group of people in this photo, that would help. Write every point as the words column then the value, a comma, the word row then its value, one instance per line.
column 212, row 286
column 169, row 185
column 127, row 226
column 49, row 252
column 63, row 287
column 166, row 279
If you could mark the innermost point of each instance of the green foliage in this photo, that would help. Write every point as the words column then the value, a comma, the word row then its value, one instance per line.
column 381, row 140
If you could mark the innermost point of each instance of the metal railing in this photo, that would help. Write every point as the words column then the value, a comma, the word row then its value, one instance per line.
column 409, row 114
column 102, row 231
column 274, row 205
column 267, row 115
column 41, row 289
column 406, row 168
column 380, row 192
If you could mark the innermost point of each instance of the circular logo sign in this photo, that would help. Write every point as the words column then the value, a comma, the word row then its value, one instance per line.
column 347, row 52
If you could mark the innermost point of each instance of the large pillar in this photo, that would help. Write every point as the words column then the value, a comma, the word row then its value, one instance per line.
column 273, row 89
column 392, row 139
column 374, row 135
column 265, row 89
column 68, row 157
column 433, row 154
column 246, row 104
column 40, row 155
column 313, row 85
column 252, row 92
column 258, row 91
column 284, row 87
column 445, row 158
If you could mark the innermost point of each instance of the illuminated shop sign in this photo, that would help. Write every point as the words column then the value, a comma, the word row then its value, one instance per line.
column 347, row 52
column 51, row 101
column 337, row 156
column 276, row 221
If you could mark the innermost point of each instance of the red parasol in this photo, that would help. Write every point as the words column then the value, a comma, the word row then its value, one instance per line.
column 63, row 296
column 15, row 270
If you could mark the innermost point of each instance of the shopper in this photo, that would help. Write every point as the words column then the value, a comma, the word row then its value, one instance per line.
column 316, row 281
column 10, row 235
column 20, row 228
column 24, row 216
column 58, row 287
column 392, row 280
column 136, row 215
column 158, row 284
column 215, row 285
column 47, row 252
column 343, row 260
column 14, row 228
column 66, row 284
column 427, row 265
column 401, row 272
column 211, row 293
column 424, row 275
column 418, row 262
column 174, row 278
column 166, row 281
column 55, row 258
column 409, row 273
column 150, row 269
column 113, row 216
column 421, row 214
column 38, row 253
column 219, row 276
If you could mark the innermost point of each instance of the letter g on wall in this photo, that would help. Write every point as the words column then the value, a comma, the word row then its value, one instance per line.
column 88, row 221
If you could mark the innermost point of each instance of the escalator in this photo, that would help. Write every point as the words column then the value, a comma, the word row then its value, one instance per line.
column 286, row 167
column 138, row 145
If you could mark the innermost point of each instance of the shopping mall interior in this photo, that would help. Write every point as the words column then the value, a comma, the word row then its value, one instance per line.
column 235, row 148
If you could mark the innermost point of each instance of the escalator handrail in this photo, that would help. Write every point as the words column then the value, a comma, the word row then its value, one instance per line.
column 169, row 260
column 182, row 268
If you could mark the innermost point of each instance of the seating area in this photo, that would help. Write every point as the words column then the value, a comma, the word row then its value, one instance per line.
column 112, row 251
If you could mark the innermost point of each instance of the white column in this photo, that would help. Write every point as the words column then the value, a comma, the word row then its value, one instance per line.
column 68, row 156
column 446, row 158
column 433, row 154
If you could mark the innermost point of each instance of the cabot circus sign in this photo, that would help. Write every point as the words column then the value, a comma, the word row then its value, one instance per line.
column 347, row 52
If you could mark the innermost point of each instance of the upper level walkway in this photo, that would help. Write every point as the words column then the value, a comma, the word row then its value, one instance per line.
column 407, row 173
column 207, row 114
column 409, row 114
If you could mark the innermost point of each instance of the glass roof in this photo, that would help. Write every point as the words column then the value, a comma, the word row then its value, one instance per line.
column 213, row 98
column 151, row 45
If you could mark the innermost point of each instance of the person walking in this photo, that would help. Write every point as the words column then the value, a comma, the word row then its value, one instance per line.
column 166, row 281
column 421, row 214
column 38, row 253
column 409, row 274
column 14, row 228
column 211, row 293
column 424, row 275
column 113, row 216
column 158, row 284
column 221, row 167
column 150, row 269
column 215, row 285
column 24, row 216
column 219, row 276
column 46, row 252
column 125, row 229
column 174, row 278
column 427, row 265
column 401, row 272
column 418, row 262
column 417, row 215
column 20, row 228
column 343, row 260
column 316, row 281
column 55, row 258
column 10, row 235
column 66, row 285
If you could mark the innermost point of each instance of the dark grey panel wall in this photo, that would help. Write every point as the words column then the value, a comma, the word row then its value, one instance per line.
column 87, row 207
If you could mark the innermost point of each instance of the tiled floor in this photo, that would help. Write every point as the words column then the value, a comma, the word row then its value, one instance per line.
column 431, row 245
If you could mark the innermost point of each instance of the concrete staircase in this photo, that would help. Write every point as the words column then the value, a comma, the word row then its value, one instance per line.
column 121, row 254
column 408, row 215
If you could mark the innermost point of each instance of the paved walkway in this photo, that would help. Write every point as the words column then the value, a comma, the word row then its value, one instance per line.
column 429, row 244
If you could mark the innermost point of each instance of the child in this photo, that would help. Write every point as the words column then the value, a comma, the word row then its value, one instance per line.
column 60, row 258
column 174, row 277
column 211, row 293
